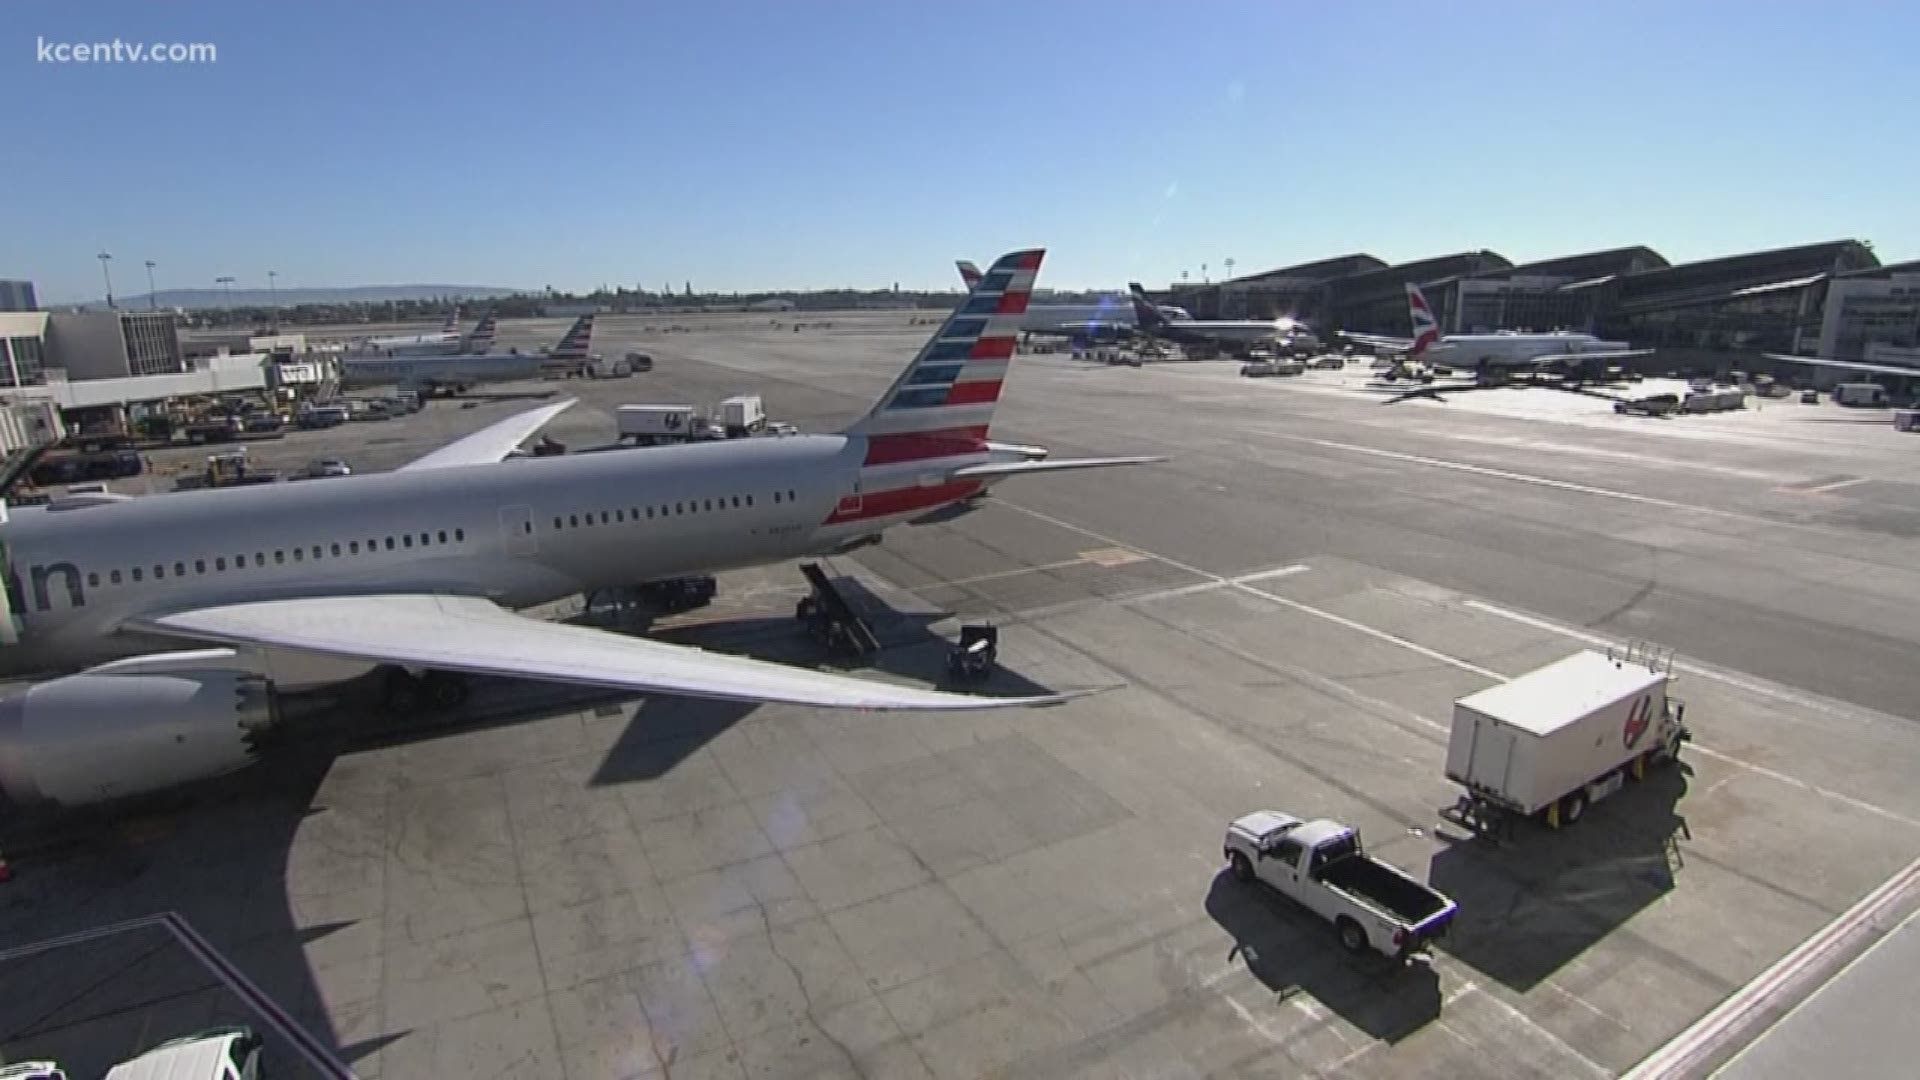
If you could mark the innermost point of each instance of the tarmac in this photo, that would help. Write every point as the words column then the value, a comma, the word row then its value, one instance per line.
column 559, row 883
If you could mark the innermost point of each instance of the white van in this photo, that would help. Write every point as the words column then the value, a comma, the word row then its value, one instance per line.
column 1860, row 394
column 228, row 1053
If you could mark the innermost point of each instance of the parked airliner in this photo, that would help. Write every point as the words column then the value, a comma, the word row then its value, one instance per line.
column 185, row 612
column 454, row 374
column 1108, row 320
column 449, row 342
column 1234, row 335
column 1492, row 354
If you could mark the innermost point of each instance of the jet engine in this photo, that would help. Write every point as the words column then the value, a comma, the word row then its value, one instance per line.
column 97, row 736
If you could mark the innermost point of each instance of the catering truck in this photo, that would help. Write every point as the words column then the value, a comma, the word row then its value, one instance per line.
column 1321, row 866
column 1556, row 740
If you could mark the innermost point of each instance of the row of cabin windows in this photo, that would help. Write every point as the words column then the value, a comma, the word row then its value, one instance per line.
column 673, row 509
column 336, row 549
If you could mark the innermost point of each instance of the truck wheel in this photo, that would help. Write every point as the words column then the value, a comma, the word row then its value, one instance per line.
column 1242, row 869
column 1352, row 938
column 1572, row 807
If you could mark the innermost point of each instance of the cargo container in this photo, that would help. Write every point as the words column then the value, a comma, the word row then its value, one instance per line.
column 1555, row 740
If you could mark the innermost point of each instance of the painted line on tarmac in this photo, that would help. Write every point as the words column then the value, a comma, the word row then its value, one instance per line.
column 1527, row 478
column 1839, row 485
column 1709, row 1033
column 1220, row 581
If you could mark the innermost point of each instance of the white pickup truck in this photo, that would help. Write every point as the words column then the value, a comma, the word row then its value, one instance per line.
column 1321, row 866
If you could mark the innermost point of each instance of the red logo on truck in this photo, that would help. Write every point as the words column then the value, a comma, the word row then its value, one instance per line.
column 1639, row 718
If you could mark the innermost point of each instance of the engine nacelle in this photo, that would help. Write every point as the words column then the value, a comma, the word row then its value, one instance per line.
column 96, row 736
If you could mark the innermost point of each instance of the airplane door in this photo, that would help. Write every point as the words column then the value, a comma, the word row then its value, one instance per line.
column 517, row 537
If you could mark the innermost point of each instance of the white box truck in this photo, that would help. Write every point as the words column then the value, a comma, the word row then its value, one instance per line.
column 1555, row 740
column 651, row 424
column 1870, row 395
column 742, row 416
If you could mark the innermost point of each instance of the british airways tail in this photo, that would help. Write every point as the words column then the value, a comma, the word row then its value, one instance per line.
column 1426, row 328
column 969, row 273
column 926, row 438
column 575, row 344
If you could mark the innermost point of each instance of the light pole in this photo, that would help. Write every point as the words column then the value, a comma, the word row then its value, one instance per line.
column 227, row 283
column 104, row 258
column 153, row 301
column 274, row 293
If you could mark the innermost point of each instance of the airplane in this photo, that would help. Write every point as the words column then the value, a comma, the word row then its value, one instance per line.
column 165, row 625
column 1490, row 356
column 448, row 342
column 1235, row 335
column 1080, row 322
column 450, row 374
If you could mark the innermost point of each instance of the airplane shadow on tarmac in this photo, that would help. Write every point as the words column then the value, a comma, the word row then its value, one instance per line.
column 1291, row 951
column 223, row 853
column 1530, row 904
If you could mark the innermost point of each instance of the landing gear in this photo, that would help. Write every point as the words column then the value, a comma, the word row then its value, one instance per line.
column 404, row 694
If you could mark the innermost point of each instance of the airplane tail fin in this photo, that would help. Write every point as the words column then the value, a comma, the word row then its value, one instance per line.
column 453, row 319
column 969, row 273
column 574, row 345
column 1145, row 312
column 942, row 404
column 480, row 341
column 1426, row 328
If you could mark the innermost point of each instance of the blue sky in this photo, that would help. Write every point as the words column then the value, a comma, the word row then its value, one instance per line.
column 812, row 143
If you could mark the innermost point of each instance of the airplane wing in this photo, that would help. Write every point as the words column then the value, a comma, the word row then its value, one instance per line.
column 1557, row 358
column 493, row 442
column 1843, row 365
column 470, row 634
column 994, row 470
column 1378, row 341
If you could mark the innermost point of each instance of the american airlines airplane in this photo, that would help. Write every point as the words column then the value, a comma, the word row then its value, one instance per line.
column 448, row 342
column 166, row 624
column 1232, row 334
column 454, row 374
column 1491, row 354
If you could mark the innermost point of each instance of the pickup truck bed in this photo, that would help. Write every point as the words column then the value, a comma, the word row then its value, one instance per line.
column 1410, row 901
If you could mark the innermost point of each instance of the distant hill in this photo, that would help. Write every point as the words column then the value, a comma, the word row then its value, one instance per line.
column 347, row 294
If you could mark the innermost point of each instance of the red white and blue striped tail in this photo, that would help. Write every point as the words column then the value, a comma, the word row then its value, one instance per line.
column 574, row 345
column 453, row 319
column 943, row 403
column 481, row 340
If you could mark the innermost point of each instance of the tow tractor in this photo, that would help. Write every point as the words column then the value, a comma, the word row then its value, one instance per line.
column 679, row 594
column 973, row 658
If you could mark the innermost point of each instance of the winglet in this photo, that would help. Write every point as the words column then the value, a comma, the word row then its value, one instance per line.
column 493, row 442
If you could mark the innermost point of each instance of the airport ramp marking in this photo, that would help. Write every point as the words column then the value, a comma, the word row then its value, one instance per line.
column 1216, row 581
column 1113, row 556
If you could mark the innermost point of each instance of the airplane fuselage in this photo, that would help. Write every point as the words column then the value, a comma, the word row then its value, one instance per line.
column 456, row 370
column 523, row 532
column 1480, row 350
